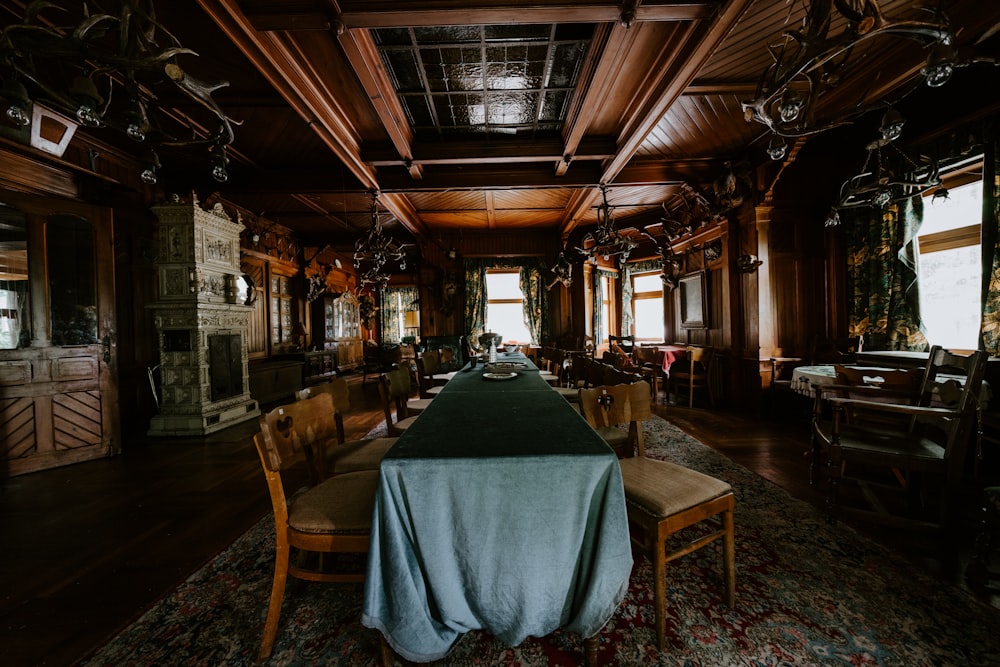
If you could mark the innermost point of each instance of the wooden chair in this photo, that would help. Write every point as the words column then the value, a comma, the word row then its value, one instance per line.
column 888, row 385
column 339, row 391
column 426, row 387
column 650, row 366
column 332, row 517
column 625, row 343
column 662, row 499
column 931, row 446
column 394, row 390
column 843, row 350
column 341, row 455
column 432, row 373
column 693, row 374
column 606, row 408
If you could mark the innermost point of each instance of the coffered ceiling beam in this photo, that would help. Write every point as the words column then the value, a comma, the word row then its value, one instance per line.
column 489, row 152
column 367, row 63
column 610, row 42
column 292, row 15
column 676, row 70
column 279, row 59
column 457, row 177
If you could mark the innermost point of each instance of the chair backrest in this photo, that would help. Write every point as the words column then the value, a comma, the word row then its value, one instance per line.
column 394, row 388
column 611, row 405
column 649, row 355
column 627, row 343
column 271, row 461
column 300, row 431
column 341, row 394
column 338, row 389
column 834, row 350
column 431, row 361
column 696, row 365
column 902, row 380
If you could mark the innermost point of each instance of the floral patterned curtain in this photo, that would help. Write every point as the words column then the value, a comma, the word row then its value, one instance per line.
column 881, row 281
column 990, row 328
column 598, row 292
column 601, row 328
column 627, row 272
column 395, row 300
column 532, row 287
column 530, row 279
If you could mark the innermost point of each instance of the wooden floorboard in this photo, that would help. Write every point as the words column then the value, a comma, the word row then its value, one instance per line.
column 88, row 547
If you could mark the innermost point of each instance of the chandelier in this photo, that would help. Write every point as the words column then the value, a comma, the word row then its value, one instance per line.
column 377, row 249
column 888, row 175
column 606, row 241
column 810, row 63
column 109, row 70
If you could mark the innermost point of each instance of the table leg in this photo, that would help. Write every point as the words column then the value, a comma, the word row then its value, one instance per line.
column 590, row 650
column 387, row 654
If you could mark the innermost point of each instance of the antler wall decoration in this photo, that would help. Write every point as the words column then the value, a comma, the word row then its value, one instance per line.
column 82, row 70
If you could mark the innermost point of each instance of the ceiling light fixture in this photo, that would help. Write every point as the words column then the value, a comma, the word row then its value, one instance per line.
column 76, row 70
column 606, row 241
column 880, row 184
column 810, row 63
column 376, row 250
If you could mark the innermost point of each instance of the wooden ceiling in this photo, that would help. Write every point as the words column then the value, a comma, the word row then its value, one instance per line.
column 657, row 108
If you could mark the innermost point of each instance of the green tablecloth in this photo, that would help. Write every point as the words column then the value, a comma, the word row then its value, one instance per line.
column 499, row 509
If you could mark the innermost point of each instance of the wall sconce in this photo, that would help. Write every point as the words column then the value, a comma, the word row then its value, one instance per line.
column 748, row 263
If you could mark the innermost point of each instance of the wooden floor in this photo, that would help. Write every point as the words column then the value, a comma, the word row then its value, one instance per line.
column 87, row 548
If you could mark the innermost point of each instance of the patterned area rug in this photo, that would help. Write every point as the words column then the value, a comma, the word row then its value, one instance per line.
column 808, row 593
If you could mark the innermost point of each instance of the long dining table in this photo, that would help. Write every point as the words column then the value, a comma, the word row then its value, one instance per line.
column 500, row 509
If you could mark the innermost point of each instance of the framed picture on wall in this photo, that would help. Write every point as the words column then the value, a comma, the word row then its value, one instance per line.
column 692, row 301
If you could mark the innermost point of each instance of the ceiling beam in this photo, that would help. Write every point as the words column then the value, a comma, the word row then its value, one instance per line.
column 291, row 72
column 294, row 15
column 364, row 57
column 486, row 152
column 610, row 41
column 675, row 71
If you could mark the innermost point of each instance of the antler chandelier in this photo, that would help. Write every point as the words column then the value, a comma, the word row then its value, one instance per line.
column 810, row 63
column 377, row 249
column 105, row 72
column 606, row 240
column 893, row 176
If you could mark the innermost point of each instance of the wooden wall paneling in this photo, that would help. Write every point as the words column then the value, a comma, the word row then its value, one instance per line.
column 257, row 333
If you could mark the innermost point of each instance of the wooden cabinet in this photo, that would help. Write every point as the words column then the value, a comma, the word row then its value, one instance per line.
column 336, row 337
column 323, row 323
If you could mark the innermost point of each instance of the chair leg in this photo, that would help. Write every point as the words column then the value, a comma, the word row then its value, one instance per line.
column 729, row 556
column 274, row 607
column 590, row 645
column 660, row 590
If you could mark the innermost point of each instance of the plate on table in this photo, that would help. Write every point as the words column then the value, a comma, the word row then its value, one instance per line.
column 505, row 366
column 500, row 375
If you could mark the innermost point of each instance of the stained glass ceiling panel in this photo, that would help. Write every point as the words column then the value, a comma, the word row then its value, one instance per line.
column 504, row 79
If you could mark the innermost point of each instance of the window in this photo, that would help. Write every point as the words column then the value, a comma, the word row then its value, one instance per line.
column 647, row 307
column 14, row 311
column 949, row 263
column 505, row 306
column 607, row 308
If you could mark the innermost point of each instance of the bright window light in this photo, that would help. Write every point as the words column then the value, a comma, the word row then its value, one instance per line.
column 505, row 307
column 949, row 268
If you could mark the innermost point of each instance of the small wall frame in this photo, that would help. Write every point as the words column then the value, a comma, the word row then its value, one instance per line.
column 692, row 301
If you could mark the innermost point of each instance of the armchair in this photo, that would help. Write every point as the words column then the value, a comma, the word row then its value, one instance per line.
column 926, row 453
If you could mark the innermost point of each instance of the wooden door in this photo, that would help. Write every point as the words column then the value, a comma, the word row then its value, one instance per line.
column 58, row 379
